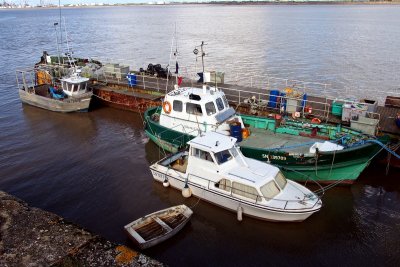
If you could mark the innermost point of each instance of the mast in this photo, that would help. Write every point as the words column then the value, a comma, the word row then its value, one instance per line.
column 202, row 58
column 58, row 48
column 203, row 54
column 59, row 7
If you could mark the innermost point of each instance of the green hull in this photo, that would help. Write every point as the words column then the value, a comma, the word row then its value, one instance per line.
column 342, row 166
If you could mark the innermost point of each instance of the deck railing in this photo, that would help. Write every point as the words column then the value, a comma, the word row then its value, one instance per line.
column 258, row 199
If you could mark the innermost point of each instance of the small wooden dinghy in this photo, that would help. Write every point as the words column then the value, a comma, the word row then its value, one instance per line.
column 158, row 226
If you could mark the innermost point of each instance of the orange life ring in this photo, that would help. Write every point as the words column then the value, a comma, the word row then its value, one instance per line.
column 316, row 120
column 166, row 107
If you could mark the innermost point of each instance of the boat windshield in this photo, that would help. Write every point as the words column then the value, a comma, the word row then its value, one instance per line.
column 226, row 155
column 281, row 180
column 269, row 190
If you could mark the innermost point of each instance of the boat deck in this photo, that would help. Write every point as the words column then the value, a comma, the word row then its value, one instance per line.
column 260, row 138
column 180, row 165
column 128, row 91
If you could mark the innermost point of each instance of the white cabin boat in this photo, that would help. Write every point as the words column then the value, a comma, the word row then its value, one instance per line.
column 215, row 170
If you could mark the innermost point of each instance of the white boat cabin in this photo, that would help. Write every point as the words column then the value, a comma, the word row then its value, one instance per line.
column 192, row 110
column 218, row 158
column 75, row 84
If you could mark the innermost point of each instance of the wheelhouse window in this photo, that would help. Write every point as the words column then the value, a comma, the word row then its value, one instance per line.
column 210, row 108
column 177, row 105
column 225, row 101
column 195, row 109
column 245, row 191
column 226, row 155
column 84, row 86
column 223, row 156
column 220, row 104
column 269, row 190
column 281, row 180
column 224, row 184
column 198, row 153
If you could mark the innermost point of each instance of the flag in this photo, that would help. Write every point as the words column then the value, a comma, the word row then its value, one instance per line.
column 180, row 80
column 176, row 68
column 201, row 77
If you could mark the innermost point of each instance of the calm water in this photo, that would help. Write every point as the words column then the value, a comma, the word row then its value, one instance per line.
column 93, row 168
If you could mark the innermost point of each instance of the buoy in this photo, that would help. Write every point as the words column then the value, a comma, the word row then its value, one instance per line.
column 165, row 183
column 239, row 213
column 186, row 192
column 316, row 120
column 245, row 132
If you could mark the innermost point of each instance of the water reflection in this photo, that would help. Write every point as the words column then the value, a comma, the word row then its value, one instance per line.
column 75, row 127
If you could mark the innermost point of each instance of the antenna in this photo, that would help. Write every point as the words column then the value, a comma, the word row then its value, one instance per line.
column 170, row 58
column 58, row 48
column 203, row 54
column 59, row 7
column 69, row 51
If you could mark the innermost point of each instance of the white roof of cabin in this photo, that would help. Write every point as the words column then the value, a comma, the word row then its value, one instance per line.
column 213, row 142
column 183, row 93
column 75, row 80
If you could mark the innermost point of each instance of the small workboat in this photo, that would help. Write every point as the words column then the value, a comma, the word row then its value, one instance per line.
column 215, row 170
column 38, row 87
column 158, row 226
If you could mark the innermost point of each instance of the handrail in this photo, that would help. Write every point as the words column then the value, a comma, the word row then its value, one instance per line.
column 317, row 198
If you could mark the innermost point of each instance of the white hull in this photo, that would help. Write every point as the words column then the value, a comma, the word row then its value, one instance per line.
column 226, row 201
column 68, row 105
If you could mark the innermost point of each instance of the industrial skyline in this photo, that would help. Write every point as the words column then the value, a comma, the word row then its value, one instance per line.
column 47, row 3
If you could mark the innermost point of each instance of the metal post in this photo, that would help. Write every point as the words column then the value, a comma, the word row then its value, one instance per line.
column 58, row 48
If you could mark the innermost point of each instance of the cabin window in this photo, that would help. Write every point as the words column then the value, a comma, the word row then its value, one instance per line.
column 210, row 108
column 223, row 156
column 245, row 191
column 270, row 190
column 225, row 101
column 220, row 104
column 177, row 105
column 198, row 153
column 224, row 184
column 195, row 109
column 234, row 152
column 281, row 180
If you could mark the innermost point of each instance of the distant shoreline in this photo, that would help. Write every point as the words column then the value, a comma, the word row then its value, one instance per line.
column 224, row 3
